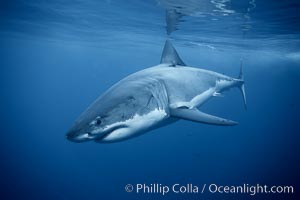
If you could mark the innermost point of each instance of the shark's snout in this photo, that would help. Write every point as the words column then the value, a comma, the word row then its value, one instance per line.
column 72, row 136
column 76, row 135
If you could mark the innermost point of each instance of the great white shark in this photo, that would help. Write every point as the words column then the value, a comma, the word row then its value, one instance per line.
column 152, row 98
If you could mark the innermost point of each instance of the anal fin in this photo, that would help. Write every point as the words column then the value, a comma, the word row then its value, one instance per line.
column 198, row 116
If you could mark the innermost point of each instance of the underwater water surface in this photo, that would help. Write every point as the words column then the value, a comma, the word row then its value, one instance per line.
column 57, row 57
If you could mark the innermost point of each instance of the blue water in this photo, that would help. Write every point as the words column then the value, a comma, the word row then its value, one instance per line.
column 56, row 57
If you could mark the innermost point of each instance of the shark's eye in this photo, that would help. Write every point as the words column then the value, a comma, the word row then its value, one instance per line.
column 89, row 134
column 98, row 121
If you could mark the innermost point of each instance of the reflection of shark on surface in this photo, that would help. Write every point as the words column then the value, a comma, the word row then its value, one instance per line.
column 175, row 10
column 152, row 98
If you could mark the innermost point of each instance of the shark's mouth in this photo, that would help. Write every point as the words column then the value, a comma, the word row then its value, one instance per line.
column 109, row 131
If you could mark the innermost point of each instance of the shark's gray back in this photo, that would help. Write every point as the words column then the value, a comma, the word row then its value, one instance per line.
column 181, row 83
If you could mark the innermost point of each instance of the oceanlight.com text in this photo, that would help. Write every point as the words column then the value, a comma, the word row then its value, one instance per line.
column 190, row 188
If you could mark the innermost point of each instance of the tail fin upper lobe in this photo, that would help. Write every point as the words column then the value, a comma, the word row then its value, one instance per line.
column 242, row 86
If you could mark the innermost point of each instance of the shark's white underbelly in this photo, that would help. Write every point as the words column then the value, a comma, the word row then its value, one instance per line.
column 135, row 125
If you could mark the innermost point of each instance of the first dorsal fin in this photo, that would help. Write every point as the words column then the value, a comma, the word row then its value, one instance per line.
column 170, row 55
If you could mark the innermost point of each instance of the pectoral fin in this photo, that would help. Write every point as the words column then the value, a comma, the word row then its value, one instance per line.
column 198, row 116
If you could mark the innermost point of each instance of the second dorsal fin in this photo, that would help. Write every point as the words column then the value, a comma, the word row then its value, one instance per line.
column 170, row 55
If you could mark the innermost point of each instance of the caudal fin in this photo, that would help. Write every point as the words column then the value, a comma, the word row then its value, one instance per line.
column 242, row 86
